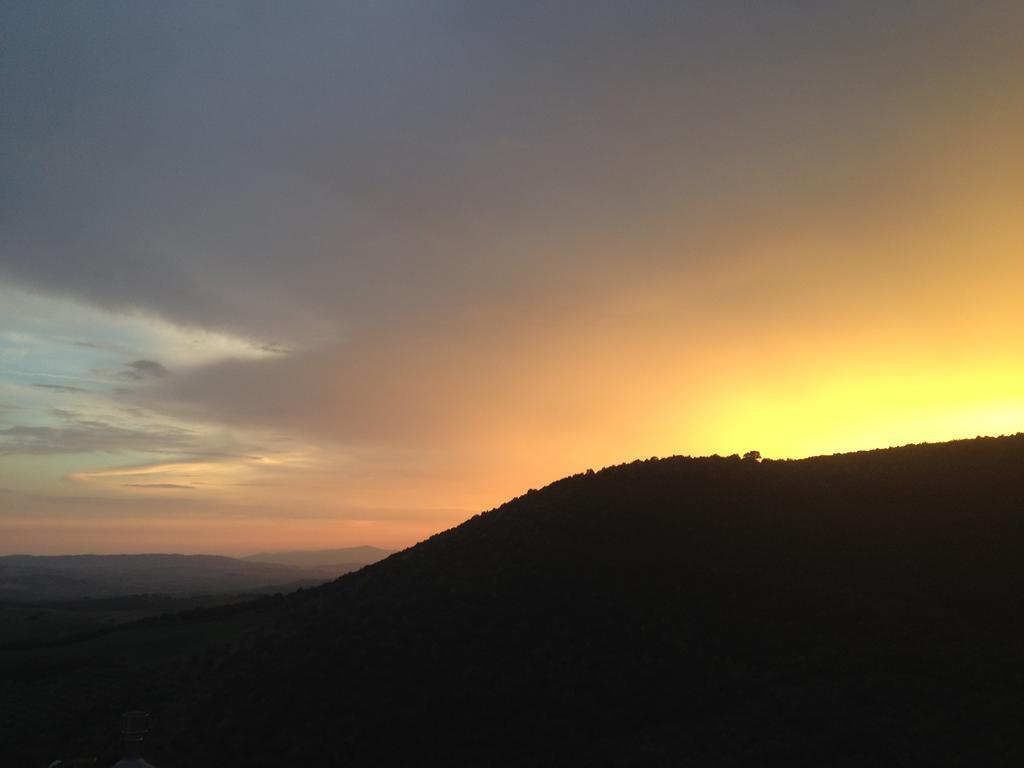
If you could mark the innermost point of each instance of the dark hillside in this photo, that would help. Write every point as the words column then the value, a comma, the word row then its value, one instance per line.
column 857, row 609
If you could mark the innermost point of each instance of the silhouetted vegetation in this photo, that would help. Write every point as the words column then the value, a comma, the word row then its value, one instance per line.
column 862, row 609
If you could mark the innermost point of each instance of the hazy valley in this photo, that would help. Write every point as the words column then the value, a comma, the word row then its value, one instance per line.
column 48, row 598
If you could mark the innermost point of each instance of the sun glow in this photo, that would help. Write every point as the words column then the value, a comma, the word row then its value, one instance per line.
column 857, row 412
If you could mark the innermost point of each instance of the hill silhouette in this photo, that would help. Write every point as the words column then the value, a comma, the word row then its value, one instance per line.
column 856, row 609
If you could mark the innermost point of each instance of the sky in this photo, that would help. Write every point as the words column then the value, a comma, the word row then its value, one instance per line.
column 311, row 275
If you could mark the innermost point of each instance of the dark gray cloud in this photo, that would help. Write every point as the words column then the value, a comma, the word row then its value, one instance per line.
column 288, row 171
column 142, row 369
column 134, row 412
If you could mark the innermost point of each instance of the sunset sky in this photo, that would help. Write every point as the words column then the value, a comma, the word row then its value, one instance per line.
column 303, row 275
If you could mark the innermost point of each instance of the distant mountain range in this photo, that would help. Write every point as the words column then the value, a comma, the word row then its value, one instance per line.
column 318, row 558
column 29, row 578
column 858, row 609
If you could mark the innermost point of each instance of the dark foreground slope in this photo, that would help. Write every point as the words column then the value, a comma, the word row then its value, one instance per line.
column 849, row 610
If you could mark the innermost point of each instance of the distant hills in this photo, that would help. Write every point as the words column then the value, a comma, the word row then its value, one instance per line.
column 37, row 579
column 858, row 609
column 28, row 578
column 48, row 598
column 318, row 558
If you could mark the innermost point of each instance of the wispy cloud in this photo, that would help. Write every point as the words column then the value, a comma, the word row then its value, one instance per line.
column 87, row 436
column 60, row 388
column 142, row 369
column 210, row 474
column 175, row 486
